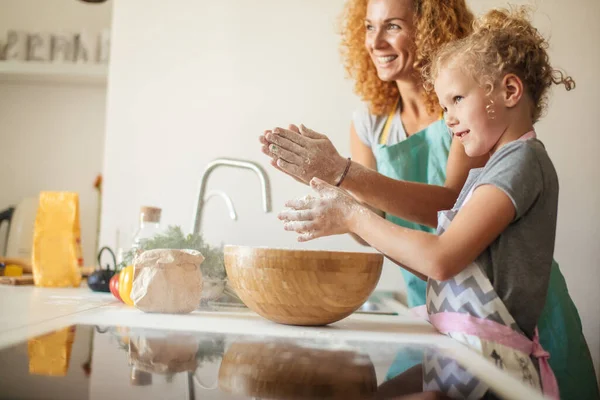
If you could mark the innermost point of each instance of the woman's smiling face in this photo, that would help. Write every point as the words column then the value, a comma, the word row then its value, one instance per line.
column 389, row 38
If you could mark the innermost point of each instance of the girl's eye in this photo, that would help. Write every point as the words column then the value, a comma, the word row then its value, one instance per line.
column 369, row 27
column 393, row 26
column 457, row 99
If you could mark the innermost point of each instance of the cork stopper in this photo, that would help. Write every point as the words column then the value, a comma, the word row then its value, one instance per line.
column 150, row 214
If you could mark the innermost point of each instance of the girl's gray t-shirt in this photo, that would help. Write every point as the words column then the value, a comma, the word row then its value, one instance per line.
column 518, row 262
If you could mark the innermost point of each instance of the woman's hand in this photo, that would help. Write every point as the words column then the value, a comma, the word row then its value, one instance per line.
column 303, row 154
column 331, row 213
column 265, row 150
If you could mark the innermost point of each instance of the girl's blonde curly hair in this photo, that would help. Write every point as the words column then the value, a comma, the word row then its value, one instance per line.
column 436, row 22
column 503, row 42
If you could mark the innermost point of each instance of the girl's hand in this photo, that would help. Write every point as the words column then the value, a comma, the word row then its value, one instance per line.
column 303, row 154
column 333, row 212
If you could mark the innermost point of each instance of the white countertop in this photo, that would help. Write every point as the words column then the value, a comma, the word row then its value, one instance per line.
column 28, row 311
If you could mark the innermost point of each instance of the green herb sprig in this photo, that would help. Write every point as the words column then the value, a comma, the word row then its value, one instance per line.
column 173, row 238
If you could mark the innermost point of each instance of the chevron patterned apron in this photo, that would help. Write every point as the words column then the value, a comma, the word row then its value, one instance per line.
column 468, row 309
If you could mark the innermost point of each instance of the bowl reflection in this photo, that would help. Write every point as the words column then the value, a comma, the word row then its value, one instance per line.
column 291, row 371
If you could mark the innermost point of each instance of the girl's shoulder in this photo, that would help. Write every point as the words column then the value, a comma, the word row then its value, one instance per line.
column 523, row 157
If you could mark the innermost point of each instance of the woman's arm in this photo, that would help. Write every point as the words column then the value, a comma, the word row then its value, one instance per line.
column 417, row 202
column 362, row 154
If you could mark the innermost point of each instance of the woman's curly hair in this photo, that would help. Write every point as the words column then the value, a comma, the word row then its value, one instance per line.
column 436, row 22
column 504, row 42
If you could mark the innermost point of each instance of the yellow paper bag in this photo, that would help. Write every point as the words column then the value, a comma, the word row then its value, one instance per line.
column 49, row 355
column 56, row 241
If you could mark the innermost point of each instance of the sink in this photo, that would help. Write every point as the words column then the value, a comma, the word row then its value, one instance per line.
column 375, row 307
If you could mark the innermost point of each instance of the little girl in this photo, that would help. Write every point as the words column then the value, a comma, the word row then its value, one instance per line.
column 488, row 267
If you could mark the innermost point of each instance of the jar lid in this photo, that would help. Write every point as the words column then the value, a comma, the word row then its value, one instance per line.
column 150, row 214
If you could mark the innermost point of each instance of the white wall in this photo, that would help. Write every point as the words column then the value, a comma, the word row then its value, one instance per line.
column 193, row 81
column 190, row 84
column 51, row 134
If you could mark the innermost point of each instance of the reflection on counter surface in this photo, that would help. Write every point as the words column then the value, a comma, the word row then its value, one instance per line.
column 294, row 371
column 94, row 362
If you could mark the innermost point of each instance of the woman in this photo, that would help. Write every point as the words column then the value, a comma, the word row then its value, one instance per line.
column 400, row 134
column 419, row 169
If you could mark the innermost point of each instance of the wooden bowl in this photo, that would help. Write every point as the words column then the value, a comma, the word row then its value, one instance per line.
column 289, row 371
column 302, row 287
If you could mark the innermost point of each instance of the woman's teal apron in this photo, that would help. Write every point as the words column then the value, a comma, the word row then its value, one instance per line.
column 422, row 157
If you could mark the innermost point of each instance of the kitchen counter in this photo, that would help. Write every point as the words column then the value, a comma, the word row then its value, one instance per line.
column 104, row 329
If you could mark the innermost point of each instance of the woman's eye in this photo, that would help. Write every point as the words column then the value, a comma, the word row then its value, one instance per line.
column 369, row 27
column 393, row 26
column 457, row 99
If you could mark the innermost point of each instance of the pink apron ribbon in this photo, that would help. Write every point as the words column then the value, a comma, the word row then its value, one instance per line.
column 447, row 322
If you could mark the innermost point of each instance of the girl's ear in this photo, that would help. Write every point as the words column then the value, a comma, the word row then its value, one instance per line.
column 512, row 90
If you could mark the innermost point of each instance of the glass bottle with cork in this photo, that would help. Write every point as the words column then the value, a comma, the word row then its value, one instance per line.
column 149, row 226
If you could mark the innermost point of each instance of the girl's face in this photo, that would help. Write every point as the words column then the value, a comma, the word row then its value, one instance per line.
column 389, row 38
column 475, row 117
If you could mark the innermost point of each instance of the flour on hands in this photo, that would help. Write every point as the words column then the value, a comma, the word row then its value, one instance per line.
column 331, row 212
column 303, row 154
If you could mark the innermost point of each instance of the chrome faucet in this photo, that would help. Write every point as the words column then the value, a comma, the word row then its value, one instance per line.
column 226, row 198
column 262, row 176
